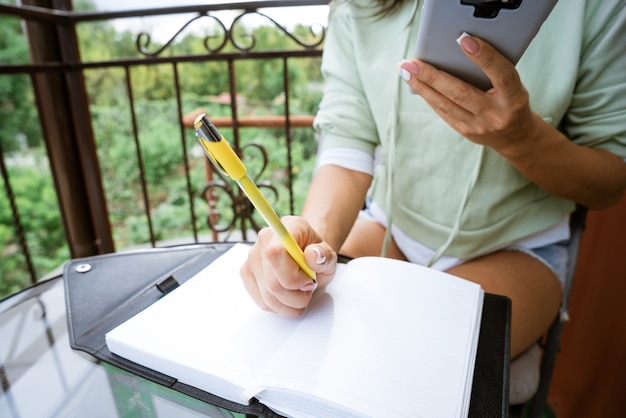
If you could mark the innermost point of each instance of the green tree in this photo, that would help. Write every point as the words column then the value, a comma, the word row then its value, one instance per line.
column 17, row 110
column 41, row 220
column 159, row 136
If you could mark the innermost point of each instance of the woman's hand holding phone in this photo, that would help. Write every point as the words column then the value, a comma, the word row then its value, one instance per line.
column 499, row 118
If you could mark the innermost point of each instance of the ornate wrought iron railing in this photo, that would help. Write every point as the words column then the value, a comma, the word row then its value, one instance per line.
column 57, row 73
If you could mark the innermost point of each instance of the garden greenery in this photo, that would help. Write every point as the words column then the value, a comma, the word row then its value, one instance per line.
column 163, row 151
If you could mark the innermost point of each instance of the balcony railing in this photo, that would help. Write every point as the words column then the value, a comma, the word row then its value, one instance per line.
column 80, row 132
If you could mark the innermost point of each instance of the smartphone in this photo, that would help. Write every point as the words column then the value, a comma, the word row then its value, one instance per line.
column 508, row 25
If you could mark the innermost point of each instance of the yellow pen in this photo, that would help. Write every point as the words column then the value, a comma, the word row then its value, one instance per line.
column 224, row 158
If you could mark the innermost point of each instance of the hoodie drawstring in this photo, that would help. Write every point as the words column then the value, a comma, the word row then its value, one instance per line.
column 459, row 215
column 390, row 162
column 391, row 134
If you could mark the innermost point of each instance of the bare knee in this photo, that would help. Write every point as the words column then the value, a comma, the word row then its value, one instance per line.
column 534, row 290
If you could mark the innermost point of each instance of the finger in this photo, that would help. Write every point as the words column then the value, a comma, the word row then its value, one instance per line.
column 256, row 273
column 498, row 68
column 276, row 259
column 449, row 96
column 275, row 305
column 301, row 231
column 458, row 117
column 323, row 261
column 319, row 253
column 290, row 303
column 267, row 292
column 281, row 284
column 284, row 301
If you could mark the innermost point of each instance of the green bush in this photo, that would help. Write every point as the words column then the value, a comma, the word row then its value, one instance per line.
column 40, row 218
column 162, row 150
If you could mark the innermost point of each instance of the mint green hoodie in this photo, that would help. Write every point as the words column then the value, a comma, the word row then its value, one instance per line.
column 428, row 175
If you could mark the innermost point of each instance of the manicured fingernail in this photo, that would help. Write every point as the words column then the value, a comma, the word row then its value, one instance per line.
column 408, row 69
column 468, row 43
column 309, row 287
column 321, row 258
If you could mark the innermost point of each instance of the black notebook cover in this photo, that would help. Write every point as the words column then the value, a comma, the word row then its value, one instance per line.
column 103, row 291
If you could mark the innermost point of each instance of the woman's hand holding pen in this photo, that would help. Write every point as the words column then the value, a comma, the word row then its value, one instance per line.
column 272, row 277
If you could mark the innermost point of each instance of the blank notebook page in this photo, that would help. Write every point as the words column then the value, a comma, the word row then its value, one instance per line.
column 386, row 344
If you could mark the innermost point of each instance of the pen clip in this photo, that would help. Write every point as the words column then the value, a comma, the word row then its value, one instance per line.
column 205, row 133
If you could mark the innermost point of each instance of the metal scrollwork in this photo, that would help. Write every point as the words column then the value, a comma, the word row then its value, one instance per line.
column 300, row 42
column 242, row 209
column 143, row 40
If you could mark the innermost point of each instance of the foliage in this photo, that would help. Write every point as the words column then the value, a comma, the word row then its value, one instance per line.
column 39, row 215
column 159, row 137
column 17, row 110
column 144, row 135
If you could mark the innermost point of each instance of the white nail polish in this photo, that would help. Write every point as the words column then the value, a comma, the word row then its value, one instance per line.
column 321, row 259
column 406, row 76
column 463, row 35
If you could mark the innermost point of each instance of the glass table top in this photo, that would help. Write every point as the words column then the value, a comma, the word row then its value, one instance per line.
column 42, row 376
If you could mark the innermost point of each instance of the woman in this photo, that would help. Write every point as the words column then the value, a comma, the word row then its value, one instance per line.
column 478, row 184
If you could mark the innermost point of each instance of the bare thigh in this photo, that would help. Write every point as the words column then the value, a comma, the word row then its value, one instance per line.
column 534, row 290
column 366, row 239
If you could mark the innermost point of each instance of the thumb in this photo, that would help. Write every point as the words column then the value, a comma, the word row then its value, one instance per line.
column 323, row 261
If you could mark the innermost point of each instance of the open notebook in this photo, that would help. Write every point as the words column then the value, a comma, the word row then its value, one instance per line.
column 386, row 338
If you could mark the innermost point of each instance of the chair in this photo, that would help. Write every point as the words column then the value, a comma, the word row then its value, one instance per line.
column 550, row 344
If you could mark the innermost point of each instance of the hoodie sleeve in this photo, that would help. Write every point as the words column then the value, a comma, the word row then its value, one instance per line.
column 344, row 118
column 597, row 113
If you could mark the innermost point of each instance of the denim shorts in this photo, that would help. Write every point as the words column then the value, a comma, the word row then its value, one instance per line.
column 555, row 256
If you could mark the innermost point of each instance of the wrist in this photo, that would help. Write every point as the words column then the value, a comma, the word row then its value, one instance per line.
column 534, row 137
